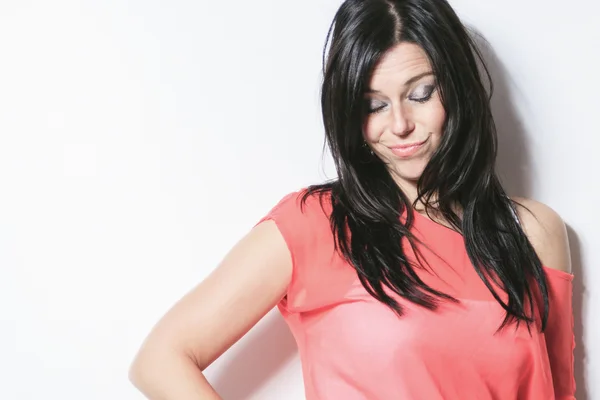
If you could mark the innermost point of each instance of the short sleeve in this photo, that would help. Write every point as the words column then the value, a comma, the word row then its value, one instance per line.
column 306, row 230
column 293, row 225
column 559, row 334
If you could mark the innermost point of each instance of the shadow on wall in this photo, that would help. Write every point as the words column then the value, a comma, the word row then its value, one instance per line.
column 261, row 356
column 514, row 167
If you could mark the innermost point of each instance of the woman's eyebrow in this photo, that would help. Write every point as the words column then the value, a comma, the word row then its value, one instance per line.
column 408, row 82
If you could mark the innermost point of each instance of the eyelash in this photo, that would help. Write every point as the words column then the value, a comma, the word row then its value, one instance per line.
column 421, row 100
column 426, row 97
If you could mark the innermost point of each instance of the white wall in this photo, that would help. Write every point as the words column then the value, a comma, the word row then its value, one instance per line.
column 139, row 140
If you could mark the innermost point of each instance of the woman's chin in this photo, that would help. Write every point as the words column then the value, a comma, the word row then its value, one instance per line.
column 407, row 179
column 409, row 174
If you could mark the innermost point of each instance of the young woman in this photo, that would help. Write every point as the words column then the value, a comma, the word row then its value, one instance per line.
column 412, row 275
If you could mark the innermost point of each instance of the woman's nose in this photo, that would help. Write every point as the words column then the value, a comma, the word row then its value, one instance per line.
column 401, row 122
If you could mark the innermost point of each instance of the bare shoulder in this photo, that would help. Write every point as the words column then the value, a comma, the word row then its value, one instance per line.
column 546, row 231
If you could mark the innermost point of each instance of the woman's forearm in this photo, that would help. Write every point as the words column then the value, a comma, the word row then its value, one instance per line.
column 173, row 377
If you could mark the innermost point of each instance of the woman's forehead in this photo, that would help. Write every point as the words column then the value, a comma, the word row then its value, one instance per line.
column 400, row 63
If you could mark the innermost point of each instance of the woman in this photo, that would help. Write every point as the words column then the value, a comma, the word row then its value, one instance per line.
column 411, row 276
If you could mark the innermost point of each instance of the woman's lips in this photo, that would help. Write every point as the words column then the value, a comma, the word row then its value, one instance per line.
column 407, row 150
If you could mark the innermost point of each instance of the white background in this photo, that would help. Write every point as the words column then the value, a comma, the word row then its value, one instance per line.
column 139, row 140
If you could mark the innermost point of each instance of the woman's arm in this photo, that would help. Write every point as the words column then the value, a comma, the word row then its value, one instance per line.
column 548, row 235
column 247, row 284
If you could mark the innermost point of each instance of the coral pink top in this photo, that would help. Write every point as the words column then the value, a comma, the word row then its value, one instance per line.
column 352, row 347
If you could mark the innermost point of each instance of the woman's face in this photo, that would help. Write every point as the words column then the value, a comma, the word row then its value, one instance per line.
column 405, row 116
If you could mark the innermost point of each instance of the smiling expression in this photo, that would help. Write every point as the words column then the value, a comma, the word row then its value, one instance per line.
column 404, row 114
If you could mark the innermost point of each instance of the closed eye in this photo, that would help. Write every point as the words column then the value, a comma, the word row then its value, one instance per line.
column 422, row 93
column 373, row 106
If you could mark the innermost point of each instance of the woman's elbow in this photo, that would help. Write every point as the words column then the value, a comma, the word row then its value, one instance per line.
column 143, row 368
column 152, row 363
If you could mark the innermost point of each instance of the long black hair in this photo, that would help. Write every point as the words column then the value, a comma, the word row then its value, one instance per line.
column 367, row 203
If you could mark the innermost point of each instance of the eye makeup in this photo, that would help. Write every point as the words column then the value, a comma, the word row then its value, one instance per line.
column 421, row 94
